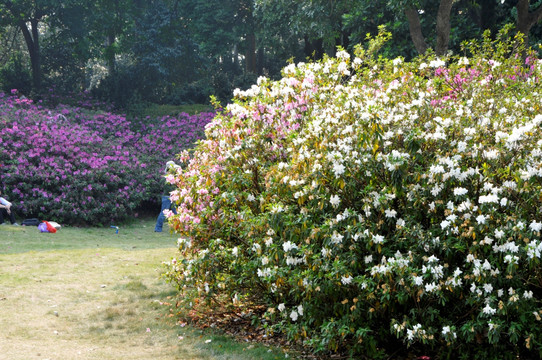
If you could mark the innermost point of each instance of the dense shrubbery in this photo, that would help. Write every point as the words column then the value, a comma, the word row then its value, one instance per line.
column 79, row 166
column 15, row 75
column 375, row 206
column 54, row 97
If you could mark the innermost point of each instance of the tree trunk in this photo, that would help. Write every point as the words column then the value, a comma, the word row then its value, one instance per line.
column 112, row 32
column 246, row 19
column 110, row 54
column 526, row 20
column 251, row 54
column 235, row 58
column 260, row 61
column 345, row 39
column 443, row 27
column 31, row 38
column 416, row 30
column 314, row 49
column 487, row 15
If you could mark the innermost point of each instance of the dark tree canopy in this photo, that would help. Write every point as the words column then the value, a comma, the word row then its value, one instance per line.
column 183, row 51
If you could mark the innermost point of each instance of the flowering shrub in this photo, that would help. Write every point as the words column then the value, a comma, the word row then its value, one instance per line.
column 372, row 205
column 78, row 166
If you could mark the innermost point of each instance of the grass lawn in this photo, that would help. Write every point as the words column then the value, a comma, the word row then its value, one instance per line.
column 89, row 293
column 139, row 235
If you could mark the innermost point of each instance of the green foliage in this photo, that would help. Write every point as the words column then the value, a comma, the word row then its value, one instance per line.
column 365, row 18
column 161, row 59
column 197, row 92
column 182, row 51
column 121, row 87
column 157, row 111
column 164, row 53
column 212, row 25
column 372, row 206
column 16, row 75
column 280, row 33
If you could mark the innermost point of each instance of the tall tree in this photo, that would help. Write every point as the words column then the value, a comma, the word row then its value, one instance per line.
column 487, row 14
column 526, row 19
column 228, row 36
column 443, row 26
column 247, row 24
column 412, row 10
column 66, row 46
column 28, row 15
column 213, row 26
column 164, row 55
column 415, row 28
column 317, row 24
column 110, row 22
column 10, row 42
column 281, row 32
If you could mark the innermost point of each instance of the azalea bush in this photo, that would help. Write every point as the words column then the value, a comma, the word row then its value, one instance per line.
column 375, row 206
column 73, row 165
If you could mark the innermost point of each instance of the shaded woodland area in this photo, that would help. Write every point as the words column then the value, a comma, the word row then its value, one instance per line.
column 182, row 51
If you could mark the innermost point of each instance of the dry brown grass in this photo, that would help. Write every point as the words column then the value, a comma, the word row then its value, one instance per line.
column 89, row 304
column 89, row 293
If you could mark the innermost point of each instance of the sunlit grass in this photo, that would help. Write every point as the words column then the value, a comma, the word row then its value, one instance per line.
column 138, row 235
column 88, row 293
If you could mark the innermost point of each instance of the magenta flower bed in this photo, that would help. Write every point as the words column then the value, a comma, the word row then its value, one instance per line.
column 76, row 166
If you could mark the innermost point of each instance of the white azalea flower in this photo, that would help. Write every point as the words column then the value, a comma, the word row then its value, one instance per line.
column 460, row 191
column 335, row 200
column 535, row 226
column 336, row 238
column 288, row 245
column 488, row 310
column 338, row 169
column 390, row 213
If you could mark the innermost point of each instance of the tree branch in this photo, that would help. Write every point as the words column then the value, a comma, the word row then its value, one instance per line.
column 27, row 35
column 525, row 16
column 416, row 29
column 526, row 20
column 536, row 16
